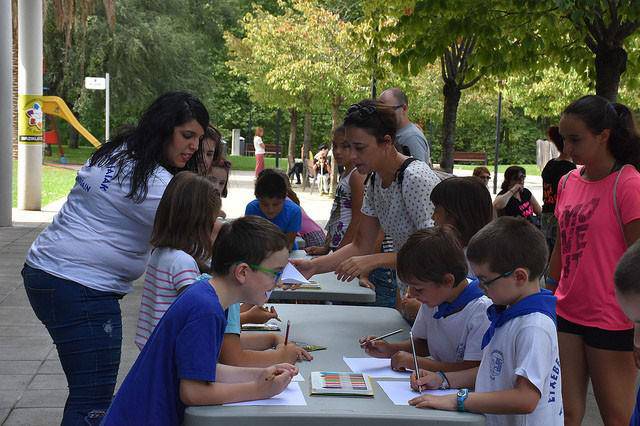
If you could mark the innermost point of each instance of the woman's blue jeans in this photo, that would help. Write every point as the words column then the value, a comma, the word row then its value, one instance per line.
column 86, row 327
column 386, row 285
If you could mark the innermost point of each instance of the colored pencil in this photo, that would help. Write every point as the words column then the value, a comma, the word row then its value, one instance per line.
column 286, row 334
column 382, row 337
column 415, row 360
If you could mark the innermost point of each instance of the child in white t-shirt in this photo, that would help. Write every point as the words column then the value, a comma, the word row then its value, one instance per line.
column 518, row 381
column 179, row 240
column 452, row 320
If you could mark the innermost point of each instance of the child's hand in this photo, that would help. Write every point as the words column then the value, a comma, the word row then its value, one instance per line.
column 401, row 361
column 427, row 380
column 378, row 348
column 305, row 266
column 294, row 353
column 275, row 379
column 446, row 402
column 410, row 307
column 258, row 315
column 317, row 250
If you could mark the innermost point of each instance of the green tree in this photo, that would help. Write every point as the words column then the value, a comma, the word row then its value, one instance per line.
column 470, row 39
column 595, row 35
column 302, row 59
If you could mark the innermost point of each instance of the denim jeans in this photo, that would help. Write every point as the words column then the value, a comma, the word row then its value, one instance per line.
column 86, row 327
column 386, row 284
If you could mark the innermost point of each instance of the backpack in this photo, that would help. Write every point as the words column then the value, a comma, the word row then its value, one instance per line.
column 442, row 175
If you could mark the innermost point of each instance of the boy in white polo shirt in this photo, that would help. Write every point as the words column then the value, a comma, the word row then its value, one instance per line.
column 452, row 319
column 518, row 381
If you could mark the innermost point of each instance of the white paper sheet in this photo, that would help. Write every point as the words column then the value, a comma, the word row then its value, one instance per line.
column 292, row 395
column 378, row 368
column 290, row 275
column 400, row 392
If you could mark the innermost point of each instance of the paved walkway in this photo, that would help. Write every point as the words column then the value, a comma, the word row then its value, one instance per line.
column 32, row 386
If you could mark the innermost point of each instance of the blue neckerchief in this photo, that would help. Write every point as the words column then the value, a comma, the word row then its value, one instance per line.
column 543, row 302
column 470, row 293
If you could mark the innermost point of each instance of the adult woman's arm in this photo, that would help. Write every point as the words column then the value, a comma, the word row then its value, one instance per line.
column 501, row 201
column 364, row 243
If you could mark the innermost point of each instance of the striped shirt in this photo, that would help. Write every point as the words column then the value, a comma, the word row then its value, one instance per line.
column 167, row 272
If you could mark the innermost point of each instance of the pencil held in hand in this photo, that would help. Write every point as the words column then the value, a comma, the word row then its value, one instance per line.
column 286, row 334
column 364, row 343
column 415, row 360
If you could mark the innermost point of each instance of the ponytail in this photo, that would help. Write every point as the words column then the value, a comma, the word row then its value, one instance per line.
column 624, row 141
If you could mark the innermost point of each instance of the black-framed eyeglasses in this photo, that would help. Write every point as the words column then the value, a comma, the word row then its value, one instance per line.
column 396, row 106
column 487, row 283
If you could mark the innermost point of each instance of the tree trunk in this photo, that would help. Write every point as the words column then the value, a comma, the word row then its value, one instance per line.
column 305, row 147
column 335, row 123
column 610, row 63
column 451, row 100
column 293, row 129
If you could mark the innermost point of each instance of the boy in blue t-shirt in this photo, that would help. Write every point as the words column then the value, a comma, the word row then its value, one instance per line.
column 177, row 367
column 628, row 295
column 272, row 203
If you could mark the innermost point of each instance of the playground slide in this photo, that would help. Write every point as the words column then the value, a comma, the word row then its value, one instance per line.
column 54, row 105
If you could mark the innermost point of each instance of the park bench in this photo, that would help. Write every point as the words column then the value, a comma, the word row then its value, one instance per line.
column 470, row 157
column 270, row 149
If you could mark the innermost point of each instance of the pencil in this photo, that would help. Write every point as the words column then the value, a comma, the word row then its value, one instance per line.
column 286, row 334
column 415, row 360
column 383, row 336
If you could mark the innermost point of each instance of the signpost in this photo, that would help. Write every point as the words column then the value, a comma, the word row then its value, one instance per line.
column 101, row 83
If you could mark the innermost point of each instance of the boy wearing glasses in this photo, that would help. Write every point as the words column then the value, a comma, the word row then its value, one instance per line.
column 518, row 381
column 449, row 328
column 177, row 367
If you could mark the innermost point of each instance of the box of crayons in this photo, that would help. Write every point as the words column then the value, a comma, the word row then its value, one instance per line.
column 340, row 384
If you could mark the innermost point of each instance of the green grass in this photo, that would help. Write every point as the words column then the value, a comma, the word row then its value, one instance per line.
column 73, row 156
column 532, row 169
column 239, row 162
column 56, row 183
column 80, row 156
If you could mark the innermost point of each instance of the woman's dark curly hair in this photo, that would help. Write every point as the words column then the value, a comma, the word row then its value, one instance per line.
column 139, row 150
column 373, row 117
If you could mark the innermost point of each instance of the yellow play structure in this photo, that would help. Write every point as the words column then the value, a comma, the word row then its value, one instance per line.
column 54, row 105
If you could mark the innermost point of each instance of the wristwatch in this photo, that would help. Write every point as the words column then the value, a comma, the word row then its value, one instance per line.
column 462, row 395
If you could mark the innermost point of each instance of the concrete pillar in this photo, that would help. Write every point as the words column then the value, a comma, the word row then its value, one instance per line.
column 6, row 122
column 30, row 115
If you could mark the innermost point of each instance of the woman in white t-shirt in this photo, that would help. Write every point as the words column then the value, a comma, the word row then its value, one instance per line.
column 258, row 147
column 396, row 199
column 87, row 259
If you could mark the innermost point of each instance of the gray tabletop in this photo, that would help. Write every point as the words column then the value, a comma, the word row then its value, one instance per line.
column 332, row 290
column 338, row 328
